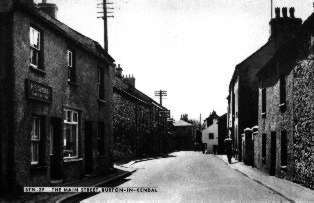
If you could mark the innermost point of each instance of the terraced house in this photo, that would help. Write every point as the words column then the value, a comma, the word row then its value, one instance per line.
column 55, row 99
column 284, row 145
column 140, row 123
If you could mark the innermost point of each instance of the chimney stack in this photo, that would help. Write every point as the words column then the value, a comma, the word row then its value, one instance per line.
column 277, row 12
column 291, row 11
column 119, row 71
column 48, row 8
column 284, row 12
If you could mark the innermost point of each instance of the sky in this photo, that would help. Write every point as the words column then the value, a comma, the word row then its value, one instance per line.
column 187, row 47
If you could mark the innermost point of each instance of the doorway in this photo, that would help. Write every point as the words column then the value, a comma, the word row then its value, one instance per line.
column 88, row 147
column 55, row 149
column 272, row 170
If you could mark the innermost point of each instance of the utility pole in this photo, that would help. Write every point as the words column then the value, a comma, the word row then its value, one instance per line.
column 107, row 12
column 161, row 94
column 271, row 9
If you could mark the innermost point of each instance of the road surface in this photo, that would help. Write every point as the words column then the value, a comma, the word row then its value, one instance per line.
column 189, row 177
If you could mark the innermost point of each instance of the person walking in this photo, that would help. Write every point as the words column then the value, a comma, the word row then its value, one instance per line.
column 228, row 145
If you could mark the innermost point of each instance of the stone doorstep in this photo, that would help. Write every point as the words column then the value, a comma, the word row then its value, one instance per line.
column 291, row 191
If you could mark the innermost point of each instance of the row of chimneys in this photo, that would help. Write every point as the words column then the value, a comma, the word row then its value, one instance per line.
column 129, row 79
column 285, row 12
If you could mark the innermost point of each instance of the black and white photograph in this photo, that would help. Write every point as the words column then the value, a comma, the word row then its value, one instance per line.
column 141, row 101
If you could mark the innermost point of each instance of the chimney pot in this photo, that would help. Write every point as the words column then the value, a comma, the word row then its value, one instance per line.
column 291, row 11
column 284, row 12
column 277, row 12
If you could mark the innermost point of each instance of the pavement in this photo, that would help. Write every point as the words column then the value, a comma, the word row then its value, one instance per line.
column 189, row 177
column 291, row 191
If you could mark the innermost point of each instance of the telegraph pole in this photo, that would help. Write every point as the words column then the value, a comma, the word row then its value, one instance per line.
column 107, row 12
column 161, row 94
column 271, row 9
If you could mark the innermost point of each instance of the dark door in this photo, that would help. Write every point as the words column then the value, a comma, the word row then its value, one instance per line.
column 88, row 147
column 55, row 149
column 272, row 170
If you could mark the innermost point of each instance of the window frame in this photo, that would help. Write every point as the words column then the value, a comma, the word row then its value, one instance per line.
column 101, row 83
column 282, row 93
column 70, row 121
column 71, row 65
column 37, row 50
column 36, row 139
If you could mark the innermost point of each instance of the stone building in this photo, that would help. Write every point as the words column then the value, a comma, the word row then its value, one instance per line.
column 243, row 87
column 214, row 132
column 140, row 124
column 284, row 145
column 55, row 99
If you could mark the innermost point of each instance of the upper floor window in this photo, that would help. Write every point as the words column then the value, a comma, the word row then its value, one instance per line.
column 35, row 46
column 70, row 134
column 101, row 83
column 211, row 136
column 71, row 65
column 264, row 102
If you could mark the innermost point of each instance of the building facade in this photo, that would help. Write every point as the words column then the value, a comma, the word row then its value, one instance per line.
column 214, row 132
column 243, row 87
column 55, row 99
column 284, row 144
column 184, row 135
column 140, row 124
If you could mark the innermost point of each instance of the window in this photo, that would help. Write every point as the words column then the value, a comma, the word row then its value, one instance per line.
column 71, row 65
column 264, row 102
column 282, row 93
column 284, row 148
column 70, row 134
column 34, row 37
column 35, row 139
column 100, row 138
column 100, row 83
column 264, row 148
column 211, row 136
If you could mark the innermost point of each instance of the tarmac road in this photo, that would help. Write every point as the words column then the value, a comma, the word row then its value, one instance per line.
column 189, row 177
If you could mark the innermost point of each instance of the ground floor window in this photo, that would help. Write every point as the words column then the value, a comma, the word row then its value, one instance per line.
column 264, row 148
column 101, row 138
column 284, row 148
column 35, row 139
column 70, row 134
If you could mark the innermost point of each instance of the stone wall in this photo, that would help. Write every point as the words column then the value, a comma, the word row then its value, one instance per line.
column 303, row 140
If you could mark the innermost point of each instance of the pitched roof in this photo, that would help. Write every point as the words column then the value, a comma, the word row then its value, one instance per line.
column 181, row 123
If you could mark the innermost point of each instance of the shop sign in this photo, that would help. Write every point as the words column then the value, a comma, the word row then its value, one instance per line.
column 38, row 91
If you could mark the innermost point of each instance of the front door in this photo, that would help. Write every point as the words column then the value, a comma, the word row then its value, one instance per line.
column 55, row 149
column 88, row 147
column 272, row 170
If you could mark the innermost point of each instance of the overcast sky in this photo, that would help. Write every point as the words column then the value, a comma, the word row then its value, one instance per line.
column 187, row 47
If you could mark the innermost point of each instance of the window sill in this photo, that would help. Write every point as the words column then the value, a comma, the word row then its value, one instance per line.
column 263, row 115
column 37, row 70
column 282, row 107
column 283, row 168
column 67, row 160
column 38, row 168
column 102, row 101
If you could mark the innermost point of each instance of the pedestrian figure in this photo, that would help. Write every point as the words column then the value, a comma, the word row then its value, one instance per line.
column 228, row 145
column 204, row 146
